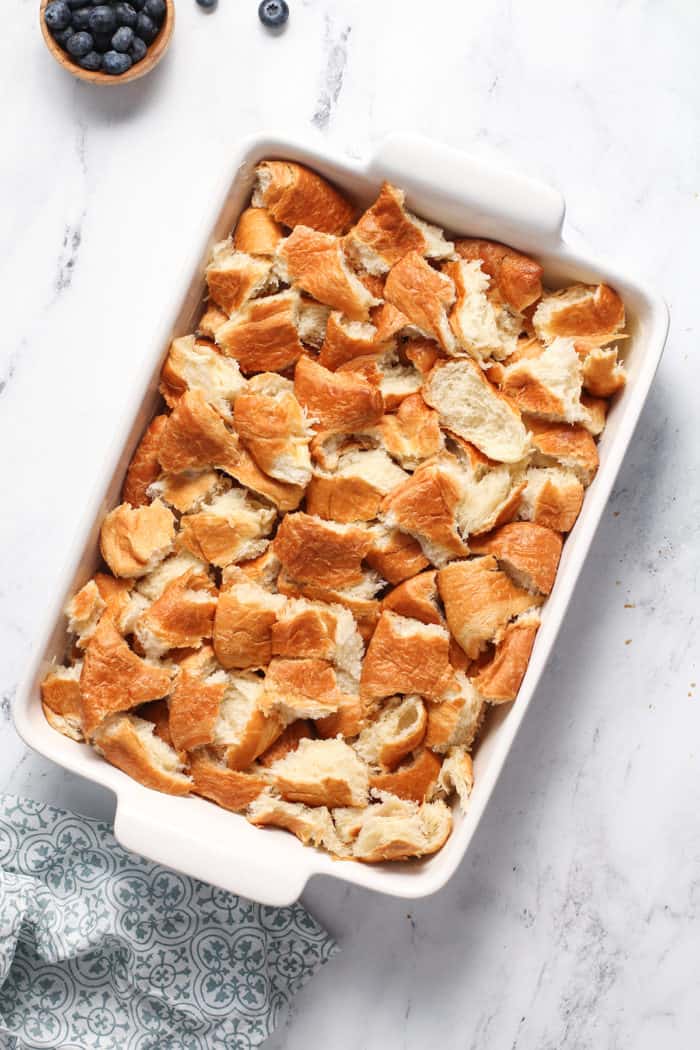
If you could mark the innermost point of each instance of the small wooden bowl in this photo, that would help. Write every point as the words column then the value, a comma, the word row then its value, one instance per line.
column 155, row 52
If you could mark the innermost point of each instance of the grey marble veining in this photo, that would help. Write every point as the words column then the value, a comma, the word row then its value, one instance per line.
column 573, row 921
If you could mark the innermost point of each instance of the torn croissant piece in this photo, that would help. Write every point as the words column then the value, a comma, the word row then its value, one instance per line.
column 315, row 263
column 157, row 712
column 272, row 425
column 233, row 277
column 548, row 386
column 312, row 825
column 301, row 688
column 416, row 598
column 339, row 402
column 192, row 364
column 232, row 527
column 347, row 721
column 480, row 599
column 457, row 776
column 396, row 732
column 528, row 552
column 395, row 555
column 212, row 779
column 553, row 497
column 133, row 540
column 245, row 616
column 188, row 491
column 564, row 445
column 130, row 744
column 281, row 493
column 84, row 611
column 194, row 704
column 345, row 340
column 394, row 378
column 499, row 680
column 195, row 437
column 293, row 194
column 60, row 699
column 517, row 277
column 387, row 231
column 327, row 446
column 415, row 779
column 413, row 434
column 425, row 296
column 315, row 629
column 357, row 598
column 324, row 552
column 145, row 466
column 262, row 570
column 406, row 656
column 471, row 407
column 242, row 728
column 257, row 233
column 592, row 314
column 181, row 618
column 355, row 489
column 210, row 321
column 596, row 413
column 322, row 773
column 491, row 493
column 425, row 506
column 152, row 586
column 114, row 678
column 312, row 322
column 397, row 829
column 482, row 324
column 603, row 375
column 456, row 720
column 286, row 742
column 423, row 353
column 263, row 335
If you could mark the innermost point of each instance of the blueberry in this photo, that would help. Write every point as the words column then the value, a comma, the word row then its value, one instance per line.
column 155, row 9
column 63, row 36
column 146, row 28
column 125, row 14
column 208, row 4
column 138, row 5
column 273, row 13
column 79, row 44
column 73, row 4
column 115, row 63
column 138, row 49
column 123, row 39
column 81, row 19
column 92, row 61
column 102, row 20
column 57, row 16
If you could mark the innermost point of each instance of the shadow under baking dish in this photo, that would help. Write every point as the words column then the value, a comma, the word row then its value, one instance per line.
column 467, row 198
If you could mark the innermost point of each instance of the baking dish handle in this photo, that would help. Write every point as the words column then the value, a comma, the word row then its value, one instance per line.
column 469, row 195
column 165, row 841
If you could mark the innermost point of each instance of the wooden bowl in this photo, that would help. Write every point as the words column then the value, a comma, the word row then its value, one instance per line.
column 155, row 52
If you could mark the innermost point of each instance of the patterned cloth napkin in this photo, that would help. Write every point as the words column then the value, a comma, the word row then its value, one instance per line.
column 102, row 949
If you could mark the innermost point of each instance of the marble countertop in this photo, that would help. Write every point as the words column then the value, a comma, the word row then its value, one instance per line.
column 573, row 920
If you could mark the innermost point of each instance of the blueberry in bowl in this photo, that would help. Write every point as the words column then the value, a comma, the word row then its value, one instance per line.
column 107, row 41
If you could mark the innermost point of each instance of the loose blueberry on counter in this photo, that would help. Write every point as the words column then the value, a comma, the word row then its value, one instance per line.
column 155, row 9
column 92, row 61
column 115, row 63
column 146, row 28
column 208, row 4
column 57, row 16
column 138, row 49
column 102, row 20
column 125, row 14
column 79, row 44
column 273, row 13
column 123, row 39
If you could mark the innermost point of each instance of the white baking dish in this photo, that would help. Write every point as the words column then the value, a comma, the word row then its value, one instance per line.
column 467, row 197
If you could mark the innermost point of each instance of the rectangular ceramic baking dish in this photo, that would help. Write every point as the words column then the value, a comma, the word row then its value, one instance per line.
column 466, row 197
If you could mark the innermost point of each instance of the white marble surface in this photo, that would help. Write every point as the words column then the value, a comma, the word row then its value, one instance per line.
column 573, row 921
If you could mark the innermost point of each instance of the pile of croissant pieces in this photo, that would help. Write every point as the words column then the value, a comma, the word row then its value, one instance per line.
column 333, row 544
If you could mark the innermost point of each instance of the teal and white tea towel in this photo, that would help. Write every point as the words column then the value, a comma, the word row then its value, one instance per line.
column 101, row 949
